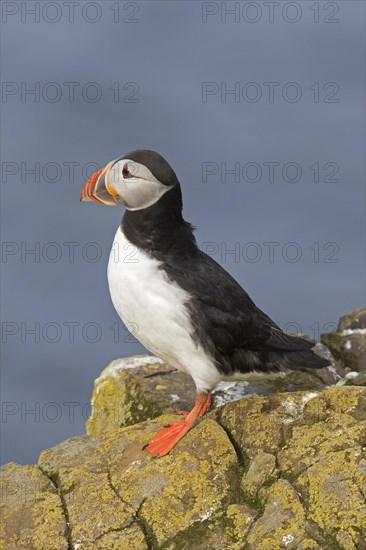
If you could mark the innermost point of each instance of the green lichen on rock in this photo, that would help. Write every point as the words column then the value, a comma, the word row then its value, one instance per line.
column 348, row 344
column 250, row 425
column 81, row 473
column 332, row 486
column 119, row 484
column 129, row 538
column 261, row 472
column 32, row 516
column 348, row 350
column 183, row 488
column 355, row 319
column 325, row 461
column 283, row 522
column 122, row 395
column 287, row 471
column 240, row 519
column 359, row 380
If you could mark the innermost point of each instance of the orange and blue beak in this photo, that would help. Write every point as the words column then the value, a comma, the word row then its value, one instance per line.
column 97, row 188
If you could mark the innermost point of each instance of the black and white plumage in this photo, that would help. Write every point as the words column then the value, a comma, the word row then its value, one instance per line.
column 185, row 307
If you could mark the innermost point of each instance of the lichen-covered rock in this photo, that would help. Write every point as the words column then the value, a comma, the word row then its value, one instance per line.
column 188, row 487
column 139, row 388
column 318, row 439
column 261, row 472
column 355, row 379
column 81, row 472
column 348, row 348
column 283, row 522
column 129, row 391
column 115, row 484
column 32, row 512
column 354, row 320
column 276, row 472
column 328, row 465
column 348, row 344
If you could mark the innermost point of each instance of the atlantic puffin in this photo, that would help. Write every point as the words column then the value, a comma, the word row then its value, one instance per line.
column 187, row 309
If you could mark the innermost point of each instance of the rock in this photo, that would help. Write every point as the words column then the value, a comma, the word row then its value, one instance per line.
column 283, row 522
column 131, row 390
column 354, row 320
column 241, row 518
column 139, row 388
column 262, row 470
column 328, row 465
column 32, row 513
column 348, row 344
column 355, row 379
column 81, row 474
column 332, row 374
column 283, row 471
column 115, row 484
column 348, row 348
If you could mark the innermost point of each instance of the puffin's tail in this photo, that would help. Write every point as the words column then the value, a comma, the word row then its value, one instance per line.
column 296, row 360
column 292, row 352
column 280, row 352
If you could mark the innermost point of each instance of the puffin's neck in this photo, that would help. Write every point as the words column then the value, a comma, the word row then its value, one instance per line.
column 160, row 229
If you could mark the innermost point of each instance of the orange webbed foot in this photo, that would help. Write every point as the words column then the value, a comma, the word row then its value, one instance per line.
column 168, row 436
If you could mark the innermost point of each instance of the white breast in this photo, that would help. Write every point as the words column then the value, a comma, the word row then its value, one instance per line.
column 153, row 308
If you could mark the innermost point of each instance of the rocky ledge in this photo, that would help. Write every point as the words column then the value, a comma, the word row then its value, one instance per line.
column 269, row 468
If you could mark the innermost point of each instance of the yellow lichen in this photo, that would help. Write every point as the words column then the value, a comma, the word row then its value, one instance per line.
column 283, row 523
column 300, row 456
column 241, row 518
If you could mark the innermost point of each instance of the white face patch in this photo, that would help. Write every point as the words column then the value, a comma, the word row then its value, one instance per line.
column 136, row 186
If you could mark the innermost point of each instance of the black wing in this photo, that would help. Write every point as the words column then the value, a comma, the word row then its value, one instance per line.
column 231, row 327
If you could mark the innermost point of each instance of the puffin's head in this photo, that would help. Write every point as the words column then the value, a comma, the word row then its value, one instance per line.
column 136, row 180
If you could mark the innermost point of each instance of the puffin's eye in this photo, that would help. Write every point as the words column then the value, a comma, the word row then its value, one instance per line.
column 125, row 172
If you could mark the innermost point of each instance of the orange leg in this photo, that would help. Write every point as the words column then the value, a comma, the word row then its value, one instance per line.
column 206, row 406
column 168, row 436
column 203, row 411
